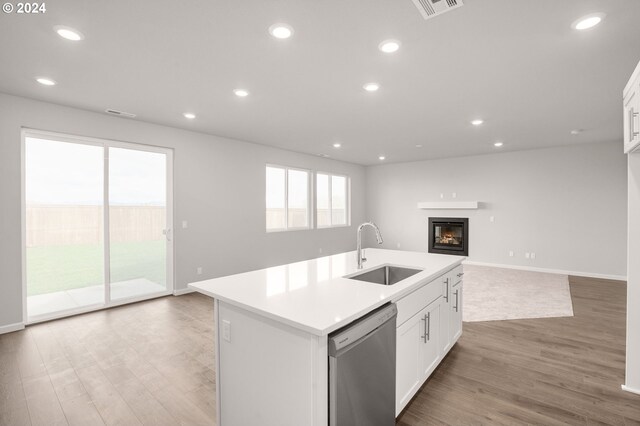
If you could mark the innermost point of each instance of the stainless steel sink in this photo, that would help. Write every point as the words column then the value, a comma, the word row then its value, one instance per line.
column 386, row 275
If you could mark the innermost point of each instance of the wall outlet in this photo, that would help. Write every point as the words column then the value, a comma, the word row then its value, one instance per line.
column 492, row 219
column 320, row 250
column 510, row 253
column 533, row 255
column 454, row 195
column 199, row 270
column 398, row 245
column 184, row 224
column 441, row 195
column 226, row 330
column 527, row 255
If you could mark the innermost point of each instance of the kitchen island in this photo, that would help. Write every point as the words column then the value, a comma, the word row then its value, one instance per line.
column 272, row 328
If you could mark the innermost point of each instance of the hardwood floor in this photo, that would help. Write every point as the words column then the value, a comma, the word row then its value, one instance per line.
column 152, row 364
column 542, row 371
column 149, row 363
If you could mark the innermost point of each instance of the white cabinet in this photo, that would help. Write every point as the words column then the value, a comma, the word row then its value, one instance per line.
column 451, row 318
column 429, row 322
column 417, row 352
column 430, row 347
column 445, row 331
column 631, row 104
column 408, row 365
column 455, row 314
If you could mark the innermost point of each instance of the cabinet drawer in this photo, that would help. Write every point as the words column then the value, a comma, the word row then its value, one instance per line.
column 412, row 303
column 457, row 274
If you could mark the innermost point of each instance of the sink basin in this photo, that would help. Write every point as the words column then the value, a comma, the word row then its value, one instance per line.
column 386, row 275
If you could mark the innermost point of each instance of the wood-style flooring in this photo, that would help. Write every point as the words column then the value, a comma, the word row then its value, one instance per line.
column 548, row 371
column 152, row 363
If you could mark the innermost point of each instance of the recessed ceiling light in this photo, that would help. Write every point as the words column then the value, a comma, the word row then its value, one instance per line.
column 588, row 21
column 389, row 46
column 418, row 146
column 281, row 31
column 337, row 145
column 241, row 93
column 381, row 158
column 498, row 144
column 189, row 115
column 45, row 81
column 68, row 33
column 371, row 87
column 477, row 122
column 576, row 131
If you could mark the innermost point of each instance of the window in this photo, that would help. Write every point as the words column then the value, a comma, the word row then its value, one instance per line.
column 332, row 194
column 287, row 198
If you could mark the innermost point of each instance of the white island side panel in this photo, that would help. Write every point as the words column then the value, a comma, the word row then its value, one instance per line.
column 269, row 373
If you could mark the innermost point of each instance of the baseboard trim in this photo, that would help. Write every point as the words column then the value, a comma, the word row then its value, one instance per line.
column 628, row 389
column 182, row 291
column 549, row 271
column 11, row 327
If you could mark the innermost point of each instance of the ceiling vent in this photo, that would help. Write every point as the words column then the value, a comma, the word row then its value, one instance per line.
column 119, row 113
column 431, row 8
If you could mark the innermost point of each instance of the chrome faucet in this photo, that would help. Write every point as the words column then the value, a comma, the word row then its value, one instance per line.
column 361, row 258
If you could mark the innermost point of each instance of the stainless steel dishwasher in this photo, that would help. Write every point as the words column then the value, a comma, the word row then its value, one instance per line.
column 362, row 371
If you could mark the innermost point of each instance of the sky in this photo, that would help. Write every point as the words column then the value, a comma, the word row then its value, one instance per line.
column 73, row 173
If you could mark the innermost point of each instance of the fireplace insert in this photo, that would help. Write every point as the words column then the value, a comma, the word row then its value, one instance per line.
column 449, row 235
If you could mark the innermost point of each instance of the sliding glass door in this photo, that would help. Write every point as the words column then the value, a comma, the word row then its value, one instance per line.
column 97, row 224
column 137, row 223
column 64, row 193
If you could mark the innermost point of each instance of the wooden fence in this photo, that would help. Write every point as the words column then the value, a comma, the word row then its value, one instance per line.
column 70, row 225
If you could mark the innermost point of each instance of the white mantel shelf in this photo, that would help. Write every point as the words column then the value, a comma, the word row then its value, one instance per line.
column 449, row 205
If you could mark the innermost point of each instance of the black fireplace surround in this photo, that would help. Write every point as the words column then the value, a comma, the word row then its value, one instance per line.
column 449, row 235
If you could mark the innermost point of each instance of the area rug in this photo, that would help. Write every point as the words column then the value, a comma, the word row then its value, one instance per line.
column 492, row 294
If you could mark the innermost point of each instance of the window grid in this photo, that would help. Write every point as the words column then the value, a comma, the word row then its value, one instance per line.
column 347, row 206
column 309, row 207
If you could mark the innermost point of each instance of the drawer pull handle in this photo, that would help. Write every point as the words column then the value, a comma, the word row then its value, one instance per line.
column 456, row 306
column 460, row 274
column 427, row 327
column 446, row 293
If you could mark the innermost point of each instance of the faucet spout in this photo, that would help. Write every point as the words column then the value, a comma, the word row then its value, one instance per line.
column 361, row 258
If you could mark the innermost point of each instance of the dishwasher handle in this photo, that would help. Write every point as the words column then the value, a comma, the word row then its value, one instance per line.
column 361, row 328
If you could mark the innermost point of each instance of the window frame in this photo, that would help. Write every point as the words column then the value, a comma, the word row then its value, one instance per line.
column 310, row 204
column 347, row 203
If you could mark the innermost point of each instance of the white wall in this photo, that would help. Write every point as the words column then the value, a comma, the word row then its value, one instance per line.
column 633, row 282
column 566, row 204
column 218, row 188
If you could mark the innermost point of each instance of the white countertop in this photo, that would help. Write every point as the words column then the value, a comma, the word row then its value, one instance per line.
column 313, row 295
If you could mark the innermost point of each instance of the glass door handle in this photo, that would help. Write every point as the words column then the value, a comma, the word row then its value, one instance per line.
column 167, row 233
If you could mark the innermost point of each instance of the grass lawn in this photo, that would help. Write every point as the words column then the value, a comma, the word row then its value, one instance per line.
column 57, row 268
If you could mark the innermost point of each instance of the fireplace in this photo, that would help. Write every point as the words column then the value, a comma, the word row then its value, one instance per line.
column 449, row 235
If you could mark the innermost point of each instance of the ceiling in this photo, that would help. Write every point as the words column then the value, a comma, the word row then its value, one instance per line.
column 516, row 64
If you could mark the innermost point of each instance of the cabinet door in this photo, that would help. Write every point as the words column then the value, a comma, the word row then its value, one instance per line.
column 632, row 119
column 455, row 317
column 408, row 360
column 445, row 342
column 430, row 338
